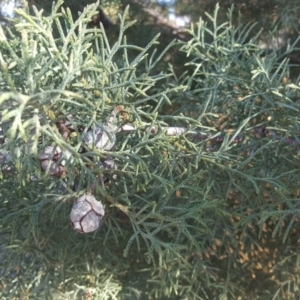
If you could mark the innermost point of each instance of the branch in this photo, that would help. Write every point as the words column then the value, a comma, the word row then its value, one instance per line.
column 218, row 139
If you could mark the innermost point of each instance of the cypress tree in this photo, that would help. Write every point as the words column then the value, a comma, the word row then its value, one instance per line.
column 197, row 173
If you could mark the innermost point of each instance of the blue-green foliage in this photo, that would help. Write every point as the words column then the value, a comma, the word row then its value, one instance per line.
column 175, row 198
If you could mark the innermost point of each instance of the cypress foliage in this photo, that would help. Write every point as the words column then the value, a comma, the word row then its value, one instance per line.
column 196, row 213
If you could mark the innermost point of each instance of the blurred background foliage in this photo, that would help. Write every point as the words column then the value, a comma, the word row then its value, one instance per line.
column 248, row 263
column 171, row 17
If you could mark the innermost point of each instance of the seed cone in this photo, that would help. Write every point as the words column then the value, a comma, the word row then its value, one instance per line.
column 86, row 214
column 50, row 160
column 101, row 137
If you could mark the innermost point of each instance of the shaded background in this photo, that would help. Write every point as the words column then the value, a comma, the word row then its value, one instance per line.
column 170, row 17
